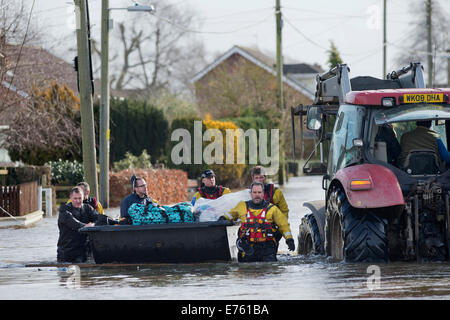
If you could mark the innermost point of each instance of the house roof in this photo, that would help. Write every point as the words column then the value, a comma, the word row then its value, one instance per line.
column 36, row 67
column 302, row 68
column 260, row 60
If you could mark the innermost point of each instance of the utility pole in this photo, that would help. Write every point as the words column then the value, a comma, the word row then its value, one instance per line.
column 279, row 86
column 384, row 39
column 104, row 100
column 104, row 107
column 86, row 108
column 429, row 46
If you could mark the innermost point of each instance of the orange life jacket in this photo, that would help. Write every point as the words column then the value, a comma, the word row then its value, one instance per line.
column 257, row 229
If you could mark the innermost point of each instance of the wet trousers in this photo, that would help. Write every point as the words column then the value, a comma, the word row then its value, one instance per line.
column 262, row 252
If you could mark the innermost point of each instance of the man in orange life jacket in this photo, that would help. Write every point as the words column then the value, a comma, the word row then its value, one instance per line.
column 272, row 194
column 208, row 189
column 259, row 220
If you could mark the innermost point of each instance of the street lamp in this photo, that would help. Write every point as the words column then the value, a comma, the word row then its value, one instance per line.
column 104, row 104
column 138, row 7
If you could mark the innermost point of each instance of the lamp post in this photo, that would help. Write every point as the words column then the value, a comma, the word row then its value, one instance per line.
column 104, row 102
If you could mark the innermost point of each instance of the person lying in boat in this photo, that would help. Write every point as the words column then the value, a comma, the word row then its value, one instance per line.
column 139, row 195
column 259, row 220
column 72, row 245
column 209, row 189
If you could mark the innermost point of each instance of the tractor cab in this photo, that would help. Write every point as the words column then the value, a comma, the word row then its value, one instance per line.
column 389, row 126
column 362, row 120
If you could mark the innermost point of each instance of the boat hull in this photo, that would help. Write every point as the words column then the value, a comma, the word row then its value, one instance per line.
column 163, row 243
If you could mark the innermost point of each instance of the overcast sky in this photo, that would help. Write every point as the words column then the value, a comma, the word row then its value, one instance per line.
column 355, row 26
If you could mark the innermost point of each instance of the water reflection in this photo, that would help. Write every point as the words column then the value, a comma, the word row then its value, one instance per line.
column 292, row 277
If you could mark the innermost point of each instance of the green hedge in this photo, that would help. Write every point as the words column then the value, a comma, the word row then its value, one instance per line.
column 18, row 175
column 194, row 170
column 135, row 126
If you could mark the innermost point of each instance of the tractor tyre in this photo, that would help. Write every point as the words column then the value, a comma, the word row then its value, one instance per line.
column 354, row 235
column 309, row 241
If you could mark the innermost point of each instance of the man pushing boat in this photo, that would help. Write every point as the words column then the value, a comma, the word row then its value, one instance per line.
column 259, row 220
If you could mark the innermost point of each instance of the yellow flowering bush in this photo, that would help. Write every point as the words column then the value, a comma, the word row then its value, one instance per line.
column 227, row 174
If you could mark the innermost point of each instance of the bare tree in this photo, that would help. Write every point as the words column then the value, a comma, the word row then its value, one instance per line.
column 414, row 45
column 16, row 29
column 46, row 127
column 156, row 51
column 14, row 16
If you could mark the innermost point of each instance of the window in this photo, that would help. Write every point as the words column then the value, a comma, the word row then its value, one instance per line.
column 348, row 127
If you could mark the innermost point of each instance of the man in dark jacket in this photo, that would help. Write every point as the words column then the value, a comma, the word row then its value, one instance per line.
column 139, row 195
column 423, row 138
column 72, row 245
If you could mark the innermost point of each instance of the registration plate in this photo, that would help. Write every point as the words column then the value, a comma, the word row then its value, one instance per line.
column 423, row 97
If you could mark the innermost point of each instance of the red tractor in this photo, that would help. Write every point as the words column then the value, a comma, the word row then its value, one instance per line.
column 377, row 207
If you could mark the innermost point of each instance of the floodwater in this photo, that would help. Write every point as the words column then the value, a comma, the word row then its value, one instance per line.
column 292, row 277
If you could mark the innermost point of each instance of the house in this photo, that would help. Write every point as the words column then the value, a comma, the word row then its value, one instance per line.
column 301, row 77
column 304, row 74
column 22, row 68
column 36, row 67
column 238, row 62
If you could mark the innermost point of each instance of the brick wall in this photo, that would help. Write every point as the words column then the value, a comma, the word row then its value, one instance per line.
column 167, row 186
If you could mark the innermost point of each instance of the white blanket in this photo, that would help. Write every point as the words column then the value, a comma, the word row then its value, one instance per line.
column 211, row 210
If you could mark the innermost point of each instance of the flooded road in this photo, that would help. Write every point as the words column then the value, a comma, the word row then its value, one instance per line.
column 292, row 277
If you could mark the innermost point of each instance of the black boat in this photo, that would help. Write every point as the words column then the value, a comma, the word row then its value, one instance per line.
column 163, row 243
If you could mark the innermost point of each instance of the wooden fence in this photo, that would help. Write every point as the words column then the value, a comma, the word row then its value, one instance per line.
column 19, row 200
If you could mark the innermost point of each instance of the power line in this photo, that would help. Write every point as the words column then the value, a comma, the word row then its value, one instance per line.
column 436, row 53
column 237, row 13
column 183, row 28
column 303, row 35
column 370, row 52
column 322, row 31
column 322, row 13
column 51, row 9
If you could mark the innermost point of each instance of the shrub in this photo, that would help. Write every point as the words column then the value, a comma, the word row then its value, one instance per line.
column 135, row 126
column 132, row 162
column 227, row 174
column 66, row 172
column 18, row 175
column 166, row 186
column 194, row 170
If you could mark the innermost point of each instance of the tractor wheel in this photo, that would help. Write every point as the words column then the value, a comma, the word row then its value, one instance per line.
column 354, row 235
column 309, row 241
